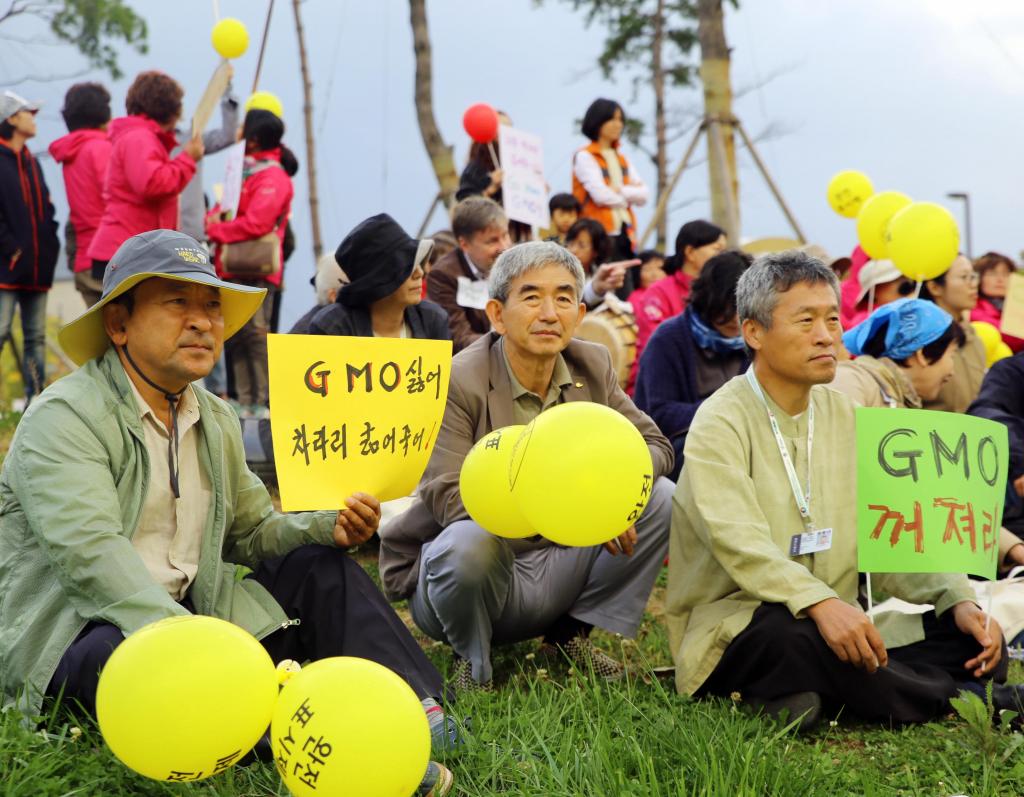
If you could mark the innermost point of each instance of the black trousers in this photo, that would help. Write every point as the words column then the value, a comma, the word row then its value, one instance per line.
column 778, row 655
column 341, row 613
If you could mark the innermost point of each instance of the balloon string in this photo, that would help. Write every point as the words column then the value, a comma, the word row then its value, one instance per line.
column 216, row 10
column 871, row 300
column 494, row 155
column 917, row 290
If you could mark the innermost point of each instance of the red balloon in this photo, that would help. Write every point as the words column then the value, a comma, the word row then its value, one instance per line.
column 481, row 122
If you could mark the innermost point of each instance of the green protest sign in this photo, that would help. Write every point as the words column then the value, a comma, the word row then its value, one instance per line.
column 930, row 490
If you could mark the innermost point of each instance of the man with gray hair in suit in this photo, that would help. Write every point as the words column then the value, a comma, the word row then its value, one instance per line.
column 470, row 588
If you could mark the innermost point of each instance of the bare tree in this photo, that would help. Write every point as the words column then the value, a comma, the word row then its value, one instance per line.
column 307, row 112
column 441, row 155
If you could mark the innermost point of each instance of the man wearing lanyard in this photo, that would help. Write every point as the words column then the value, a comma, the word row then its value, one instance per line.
column 763, row 580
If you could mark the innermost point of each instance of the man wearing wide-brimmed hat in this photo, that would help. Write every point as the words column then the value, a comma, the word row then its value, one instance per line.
column 125, row 485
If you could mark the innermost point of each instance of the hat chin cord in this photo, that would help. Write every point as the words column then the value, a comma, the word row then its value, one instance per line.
column 173, row 399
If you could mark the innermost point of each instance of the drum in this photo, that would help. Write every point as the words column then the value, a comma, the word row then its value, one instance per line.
column 613, row 325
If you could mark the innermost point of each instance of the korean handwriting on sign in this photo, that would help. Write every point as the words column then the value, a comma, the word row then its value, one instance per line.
column 324, row 442
column 366, row 377
column 961, row 523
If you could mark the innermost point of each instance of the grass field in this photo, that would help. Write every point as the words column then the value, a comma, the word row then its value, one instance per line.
column 548, row 731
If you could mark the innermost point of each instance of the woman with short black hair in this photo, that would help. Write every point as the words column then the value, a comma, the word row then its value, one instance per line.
column 692, row 355
column 603, row 181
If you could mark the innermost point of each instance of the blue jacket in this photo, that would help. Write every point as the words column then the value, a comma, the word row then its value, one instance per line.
column 666, row 383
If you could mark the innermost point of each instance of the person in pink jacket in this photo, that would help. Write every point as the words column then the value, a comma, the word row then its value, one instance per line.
column 994, row 270
column 83, row 153
column 263, row 207
column 141, row 189
column 696, row 242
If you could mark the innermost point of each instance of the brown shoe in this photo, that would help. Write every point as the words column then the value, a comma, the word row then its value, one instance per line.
column 462, row 678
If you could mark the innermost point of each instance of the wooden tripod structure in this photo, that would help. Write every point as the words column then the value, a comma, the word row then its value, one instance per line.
column 712, row 125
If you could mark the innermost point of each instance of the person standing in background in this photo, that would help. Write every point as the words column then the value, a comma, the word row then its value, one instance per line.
column 263, row 208
column 602, row 180
column 28, row 237
column 83, row 154
column 143, row 182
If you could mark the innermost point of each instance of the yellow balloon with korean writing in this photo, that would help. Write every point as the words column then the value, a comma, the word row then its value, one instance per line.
column 184, row 698
column 230, row 38
column 349, row 727
column 848, row 191
column 484, row 485
column 581, row 473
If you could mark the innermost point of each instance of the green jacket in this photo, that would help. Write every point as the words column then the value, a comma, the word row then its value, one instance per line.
column 71, row 492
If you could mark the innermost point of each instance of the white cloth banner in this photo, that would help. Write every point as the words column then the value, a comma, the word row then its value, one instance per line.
column 233, row 177
column 523, row 188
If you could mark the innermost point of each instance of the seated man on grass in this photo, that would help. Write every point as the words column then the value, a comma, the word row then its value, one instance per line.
column 771, row 455
column 469, row 588
column 126, row 499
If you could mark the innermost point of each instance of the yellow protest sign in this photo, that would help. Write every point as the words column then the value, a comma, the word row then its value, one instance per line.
column 1013, row 308
column 353, row 414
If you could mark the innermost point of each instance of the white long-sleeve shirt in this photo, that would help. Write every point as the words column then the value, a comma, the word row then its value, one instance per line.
column 632, row 190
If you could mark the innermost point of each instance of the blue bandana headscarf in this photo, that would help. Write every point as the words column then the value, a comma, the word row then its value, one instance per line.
column 913, row 324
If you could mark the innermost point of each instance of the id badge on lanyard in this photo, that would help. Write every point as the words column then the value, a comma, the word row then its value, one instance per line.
column 811, row 540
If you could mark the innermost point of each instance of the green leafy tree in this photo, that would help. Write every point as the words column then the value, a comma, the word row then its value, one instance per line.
column 96, row 28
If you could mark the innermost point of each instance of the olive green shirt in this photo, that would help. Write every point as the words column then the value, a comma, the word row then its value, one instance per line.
column 527, row 405
column 734, row 514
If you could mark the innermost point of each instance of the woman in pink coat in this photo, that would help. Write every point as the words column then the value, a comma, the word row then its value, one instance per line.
column 994, row 272
column 143, row 182
column 263, row 208
column 83, row 153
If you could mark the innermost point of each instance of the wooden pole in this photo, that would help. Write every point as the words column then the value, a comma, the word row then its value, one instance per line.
column 263, row 48
column 441, row 156
column 307, row 112
column 662, row 206
column 658, row 83
column 720, row 167
column 748, row 142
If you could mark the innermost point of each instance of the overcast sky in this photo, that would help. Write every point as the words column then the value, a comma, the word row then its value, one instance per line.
column 922, row 95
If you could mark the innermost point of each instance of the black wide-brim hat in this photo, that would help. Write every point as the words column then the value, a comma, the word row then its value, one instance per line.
column 377, row 256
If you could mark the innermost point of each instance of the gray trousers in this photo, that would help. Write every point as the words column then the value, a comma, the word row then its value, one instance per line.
column 475, row 588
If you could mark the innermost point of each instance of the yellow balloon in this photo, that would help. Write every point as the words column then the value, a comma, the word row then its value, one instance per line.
column 923, row 240
column 186, row 697
column 1001, row 352
column 484, row 485
column 230, row 38
column 873, row 221
column 346, row 726
column 581, row 473
column 848, row 191
column 265, row 101
column 990, row 336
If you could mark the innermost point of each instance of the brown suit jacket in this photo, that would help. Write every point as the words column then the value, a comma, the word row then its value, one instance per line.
column 479, row 401
column 465, row 323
